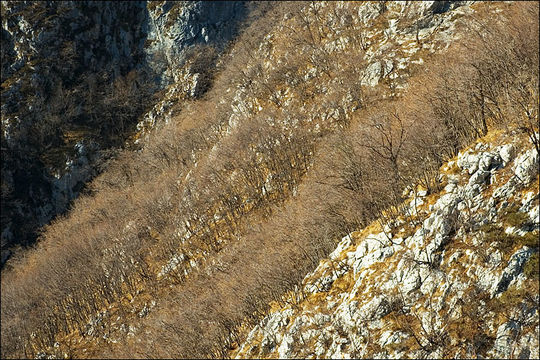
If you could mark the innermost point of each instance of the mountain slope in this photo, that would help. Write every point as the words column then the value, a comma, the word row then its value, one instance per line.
column 320, row 115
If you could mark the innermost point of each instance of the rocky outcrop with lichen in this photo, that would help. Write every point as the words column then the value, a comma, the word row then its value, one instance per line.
column 456, row 275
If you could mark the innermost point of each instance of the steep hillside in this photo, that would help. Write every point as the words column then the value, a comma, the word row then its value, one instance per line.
column 76, row 78
column 456, row 275
column 315, row 121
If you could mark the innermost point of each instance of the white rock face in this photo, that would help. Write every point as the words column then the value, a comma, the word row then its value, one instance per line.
column 452, row 275
column 173, row 27
column 526, row 166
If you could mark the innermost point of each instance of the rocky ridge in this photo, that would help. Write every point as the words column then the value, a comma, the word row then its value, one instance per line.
column 455, row 276
column 394, row 37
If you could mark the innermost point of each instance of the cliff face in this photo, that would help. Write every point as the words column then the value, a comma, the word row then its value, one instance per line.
column 455, row 276
column 76, row 76
column 49, row 49
column 184, row 40
column 174, row 26
column 96, row 33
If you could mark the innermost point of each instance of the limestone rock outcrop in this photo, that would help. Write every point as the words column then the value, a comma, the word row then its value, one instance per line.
column 455, row 276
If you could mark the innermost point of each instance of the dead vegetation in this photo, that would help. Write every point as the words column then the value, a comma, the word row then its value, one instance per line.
column 256, row 190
